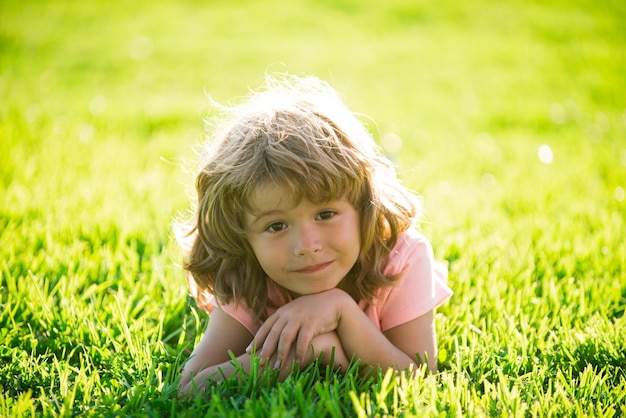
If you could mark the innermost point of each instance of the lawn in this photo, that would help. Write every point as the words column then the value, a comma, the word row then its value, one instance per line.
column 509, row 118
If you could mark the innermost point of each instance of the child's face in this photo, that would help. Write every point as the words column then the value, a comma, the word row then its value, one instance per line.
column 306, row 248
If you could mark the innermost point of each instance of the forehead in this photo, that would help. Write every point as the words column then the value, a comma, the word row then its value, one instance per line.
column 271, row 196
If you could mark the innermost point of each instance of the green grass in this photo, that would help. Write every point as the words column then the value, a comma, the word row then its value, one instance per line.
column 103, row 103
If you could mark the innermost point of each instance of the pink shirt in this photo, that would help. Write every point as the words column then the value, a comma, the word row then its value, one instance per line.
column 420, row 287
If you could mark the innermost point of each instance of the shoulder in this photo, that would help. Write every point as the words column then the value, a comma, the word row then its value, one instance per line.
column 410, row 248
column 419, row 282
column 241, row 312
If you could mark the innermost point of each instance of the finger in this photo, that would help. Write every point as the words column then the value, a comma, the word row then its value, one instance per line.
column 303, row 344
column 261, row 335
column 271, row 340
column 287, row 337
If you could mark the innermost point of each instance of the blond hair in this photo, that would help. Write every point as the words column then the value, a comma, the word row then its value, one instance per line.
column 298, row 134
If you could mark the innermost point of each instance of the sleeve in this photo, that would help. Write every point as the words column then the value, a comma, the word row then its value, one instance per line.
column 421, row 284
column 239, row 311
column 242, row 314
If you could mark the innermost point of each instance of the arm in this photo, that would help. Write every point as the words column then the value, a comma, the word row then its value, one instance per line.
column 307, row 316
column 396, row 348
column 210, row 357
column 417, row 337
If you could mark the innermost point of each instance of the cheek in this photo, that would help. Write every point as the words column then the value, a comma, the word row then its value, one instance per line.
column 256, row 248
column 264, row 252
column 349, row 240
column 353, row 231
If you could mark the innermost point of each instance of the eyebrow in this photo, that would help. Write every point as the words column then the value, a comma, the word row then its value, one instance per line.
column 256, row 217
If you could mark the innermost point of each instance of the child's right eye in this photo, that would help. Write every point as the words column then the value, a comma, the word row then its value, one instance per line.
column 276, row 227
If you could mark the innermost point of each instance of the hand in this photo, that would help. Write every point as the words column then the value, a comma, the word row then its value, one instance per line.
column 299, row 321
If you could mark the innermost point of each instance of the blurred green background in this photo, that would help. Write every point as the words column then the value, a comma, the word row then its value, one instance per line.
column 508, row 117
column 470, row 89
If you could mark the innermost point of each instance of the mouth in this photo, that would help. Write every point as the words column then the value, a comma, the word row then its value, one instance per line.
column 314, row 268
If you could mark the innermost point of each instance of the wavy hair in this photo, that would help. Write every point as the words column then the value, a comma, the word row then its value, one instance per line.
column 295, row 133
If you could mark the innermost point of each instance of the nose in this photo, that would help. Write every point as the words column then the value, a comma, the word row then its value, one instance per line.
column 307, row 240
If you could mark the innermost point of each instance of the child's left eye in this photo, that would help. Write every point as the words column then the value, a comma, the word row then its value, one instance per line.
column 325, row 215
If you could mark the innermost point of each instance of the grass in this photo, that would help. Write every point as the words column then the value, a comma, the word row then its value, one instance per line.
column 102, row 105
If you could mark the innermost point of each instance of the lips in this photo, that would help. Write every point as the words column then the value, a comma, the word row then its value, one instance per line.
column 314, row 268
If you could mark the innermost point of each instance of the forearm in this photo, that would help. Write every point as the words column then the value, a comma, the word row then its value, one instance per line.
column 199, row 379
column 327, row 347
column 361, row 339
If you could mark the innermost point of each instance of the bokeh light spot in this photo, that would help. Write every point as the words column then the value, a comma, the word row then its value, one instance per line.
column 392, row 142
column 86, row 132
column 445, row 187
column 558, row 115
column 33, row 113
column 141, row 48
column 488, row 180
column 98, row 105
column 545, row 154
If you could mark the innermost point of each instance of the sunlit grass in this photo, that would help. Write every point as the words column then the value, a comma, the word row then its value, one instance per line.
column 509, row 118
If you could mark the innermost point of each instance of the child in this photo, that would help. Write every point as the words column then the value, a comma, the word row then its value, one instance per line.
column 303, row 243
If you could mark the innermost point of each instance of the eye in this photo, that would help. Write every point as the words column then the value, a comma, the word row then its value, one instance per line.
column 276, row 227
column 326, row 215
